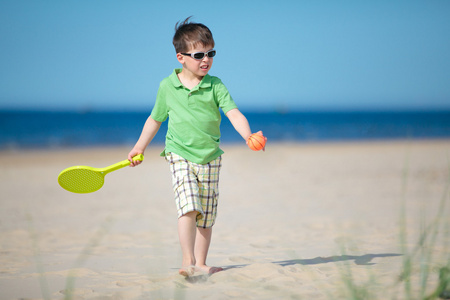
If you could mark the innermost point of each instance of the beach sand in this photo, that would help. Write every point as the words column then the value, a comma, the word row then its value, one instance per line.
column 294, row 222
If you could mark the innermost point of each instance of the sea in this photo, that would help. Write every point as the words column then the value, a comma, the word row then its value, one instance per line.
column 56, row 129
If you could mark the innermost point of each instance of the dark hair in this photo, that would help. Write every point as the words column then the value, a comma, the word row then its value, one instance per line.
column 189, row 35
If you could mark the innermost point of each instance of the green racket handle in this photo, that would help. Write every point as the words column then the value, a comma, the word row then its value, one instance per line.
column 121, row 164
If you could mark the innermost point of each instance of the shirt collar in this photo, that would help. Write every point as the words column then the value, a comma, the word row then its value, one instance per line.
column 205, row 83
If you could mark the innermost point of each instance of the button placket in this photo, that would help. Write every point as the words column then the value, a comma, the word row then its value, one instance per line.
column 190, row 100
column 191, row 94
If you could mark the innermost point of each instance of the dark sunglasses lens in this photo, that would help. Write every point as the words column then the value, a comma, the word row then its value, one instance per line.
column 199, row 55
column 212, row 53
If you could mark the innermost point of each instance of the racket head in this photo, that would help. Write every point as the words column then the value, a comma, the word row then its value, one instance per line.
column 81, row 179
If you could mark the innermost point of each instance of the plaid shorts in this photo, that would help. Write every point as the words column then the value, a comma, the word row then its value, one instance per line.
column 196, row 187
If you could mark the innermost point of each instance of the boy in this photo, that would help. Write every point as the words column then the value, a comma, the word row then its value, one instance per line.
column 191, row 99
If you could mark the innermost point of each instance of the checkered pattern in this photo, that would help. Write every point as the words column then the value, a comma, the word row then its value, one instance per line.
column 196, row 187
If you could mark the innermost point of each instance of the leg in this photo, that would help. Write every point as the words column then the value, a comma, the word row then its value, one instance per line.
column 202, row 242
column 208, row 191
column 187, row 235
column 188, row 205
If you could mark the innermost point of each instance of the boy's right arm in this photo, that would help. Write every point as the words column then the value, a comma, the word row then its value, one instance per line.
column 149, row 131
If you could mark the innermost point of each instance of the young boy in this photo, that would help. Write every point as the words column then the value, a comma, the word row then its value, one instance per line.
column 191, row 99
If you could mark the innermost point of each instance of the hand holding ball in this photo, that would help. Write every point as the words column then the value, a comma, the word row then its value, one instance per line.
column 256, row 141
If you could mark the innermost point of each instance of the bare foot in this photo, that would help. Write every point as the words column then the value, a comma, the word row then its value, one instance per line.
column 209, row 270
column 187, row 271
column 213, row 270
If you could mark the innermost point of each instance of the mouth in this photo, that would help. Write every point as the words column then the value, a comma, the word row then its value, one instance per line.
column 205, row 67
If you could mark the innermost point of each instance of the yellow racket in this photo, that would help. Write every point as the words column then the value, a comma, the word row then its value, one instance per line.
column 83, row 179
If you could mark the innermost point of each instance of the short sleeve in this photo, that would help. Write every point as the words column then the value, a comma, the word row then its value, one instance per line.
column 223, row 97
column 160, row 110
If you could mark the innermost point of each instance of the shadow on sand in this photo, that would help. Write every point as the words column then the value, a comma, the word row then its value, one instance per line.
column 359, row 260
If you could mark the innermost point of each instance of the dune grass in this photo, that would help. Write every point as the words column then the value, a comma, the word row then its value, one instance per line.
column 418, row 262
column 88, row 249
column 419, row 259
column 38, row 258
column 94, row 241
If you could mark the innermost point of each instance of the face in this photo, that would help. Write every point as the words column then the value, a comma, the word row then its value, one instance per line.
column 198, row 68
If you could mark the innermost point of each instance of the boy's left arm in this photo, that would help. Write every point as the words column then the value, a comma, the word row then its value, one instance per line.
column 239, row 122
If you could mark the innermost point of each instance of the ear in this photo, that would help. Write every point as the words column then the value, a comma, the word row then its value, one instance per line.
column 180, row 58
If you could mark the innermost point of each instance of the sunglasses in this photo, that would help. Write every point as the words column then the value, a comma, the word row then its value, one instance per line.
column 201, row 55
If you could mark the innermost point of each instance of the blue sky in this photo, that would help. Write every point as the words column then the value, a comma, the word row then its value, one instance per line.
column 271, row 54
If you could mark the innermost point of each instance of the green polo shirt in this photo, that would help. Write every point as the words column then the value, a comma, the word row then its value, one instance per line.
column 194, row 117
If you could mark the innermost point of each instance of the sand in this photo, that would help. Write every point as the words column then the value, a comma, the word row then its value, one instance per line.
column 295, row 222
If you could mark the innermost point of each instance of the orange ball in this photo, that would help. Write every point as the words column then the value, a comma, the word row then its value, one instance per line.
column 256, row 142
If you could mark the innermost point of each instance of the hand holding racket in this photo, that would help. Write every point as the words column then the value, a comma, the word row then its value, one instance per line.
column 83, row 179
column 134, row 153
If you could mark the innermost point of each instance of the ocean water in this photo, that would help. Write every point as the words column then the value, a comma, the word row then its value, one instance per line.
column 21, row 129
